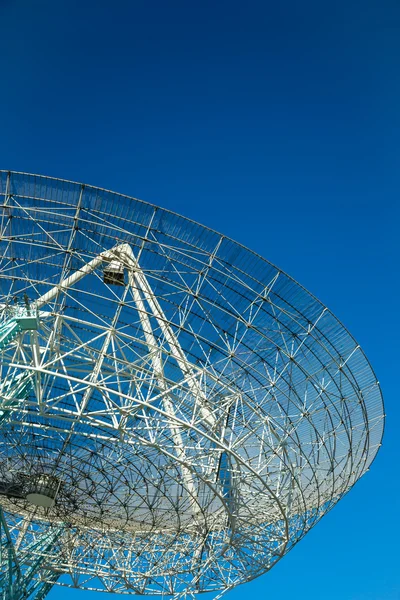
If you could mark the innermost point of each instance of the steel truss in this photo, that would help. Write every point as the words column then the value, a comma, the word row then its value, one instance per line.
column 197, row 409
column 26, row 575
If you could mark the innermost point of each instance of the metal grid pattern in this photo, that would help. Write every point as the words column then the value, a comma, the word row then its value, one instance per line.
column 201, row 411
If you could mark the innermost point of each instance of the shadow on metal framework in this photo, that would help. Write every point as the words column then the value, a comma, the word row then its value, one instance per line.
column 175, row 412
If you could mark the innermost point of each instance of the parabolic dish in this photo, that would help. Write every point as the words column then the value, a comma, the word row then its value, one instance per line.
column 181, row 410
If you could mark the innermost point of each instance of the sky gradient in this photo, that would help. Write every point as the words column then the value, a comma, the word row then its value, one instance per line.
column 275, row 123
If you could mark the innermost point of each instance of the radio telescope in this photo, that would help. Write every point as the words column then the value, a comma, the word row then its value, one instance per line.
column 175, row 412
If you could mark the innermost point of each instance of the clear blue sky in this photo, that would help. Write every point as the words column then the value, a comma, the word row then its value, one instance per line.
column 276, row 123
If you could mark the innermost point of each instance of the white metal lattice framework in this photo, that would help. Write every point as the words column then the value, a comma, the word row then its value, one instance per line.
column 197, row 408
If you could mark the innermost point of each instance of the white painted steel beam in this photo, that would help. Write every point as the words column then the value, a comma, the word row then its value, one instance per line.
column 168, row 405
